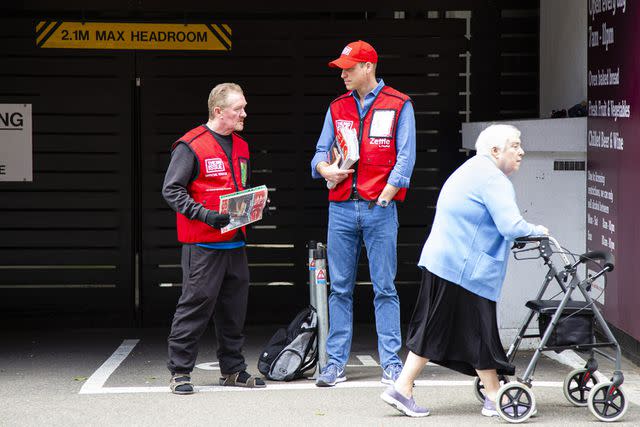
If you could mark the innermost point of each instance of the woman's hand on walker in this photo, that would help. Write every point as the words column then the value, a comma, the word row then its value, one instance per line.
column 541, row 230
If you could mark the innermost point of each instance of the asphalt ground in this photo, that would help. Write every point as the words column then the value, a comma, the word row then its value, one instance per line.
column 98, row 377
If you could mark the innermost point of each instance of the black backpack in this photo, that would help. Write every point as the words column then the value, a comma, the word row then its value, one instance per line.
column 293, row 350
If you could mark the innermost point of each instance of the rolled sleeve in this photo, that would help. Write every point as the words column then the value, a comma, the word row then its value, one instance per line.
column 323, row 145
column 398, row 180
column 400, row 175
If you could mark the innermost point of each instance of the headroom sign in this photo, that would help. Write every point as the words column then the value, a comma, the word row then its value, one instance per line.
column 132, row 36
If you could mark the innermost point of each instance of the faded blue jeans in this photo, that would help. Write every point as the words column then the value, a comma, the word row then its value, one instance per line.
column 350, row 223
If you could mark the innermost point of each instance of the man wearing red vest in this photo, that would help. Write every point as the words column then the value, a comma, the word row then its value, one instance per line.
column 363, row 204
column 206, row 163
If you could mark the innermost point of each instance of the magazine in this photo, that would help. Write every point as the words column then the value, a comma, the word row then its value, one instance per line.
column 243, row 207
column 348, row 147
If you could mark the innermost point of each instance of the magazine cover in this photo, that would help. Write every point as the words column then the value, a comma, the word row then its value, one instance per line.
column 347, row 146
column 243, row 207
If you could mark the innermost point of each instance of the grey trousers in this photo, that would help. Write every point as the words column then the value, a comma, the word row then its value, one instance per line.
column 215, row 283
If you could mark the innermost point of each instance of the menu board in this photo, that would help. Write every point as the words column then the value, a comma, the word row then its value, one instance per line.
column 613, row 155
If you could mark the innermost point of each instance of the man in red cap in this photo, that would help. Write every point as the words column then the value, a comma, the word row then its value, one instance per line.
column 363, row 204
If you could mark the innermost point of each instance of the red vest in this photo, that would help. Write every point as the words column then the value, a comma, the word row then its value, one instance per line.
column 217, row 175
column 377, row 143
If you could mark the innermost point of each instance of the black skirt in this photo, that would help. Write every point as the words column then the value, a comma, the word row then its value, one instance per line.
column 455, row 328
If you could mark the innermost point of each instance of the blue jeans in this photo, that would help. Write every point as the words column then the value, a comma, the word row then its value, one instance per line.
column 350, row 223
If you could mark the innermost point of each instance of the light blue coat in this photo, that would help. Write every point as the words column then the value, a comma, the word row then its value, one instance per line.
column 476, row 220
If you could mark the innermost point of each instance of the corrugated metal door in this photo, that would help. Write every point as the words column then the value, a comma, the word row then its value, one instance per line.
column 65, row 238
column 282, row 67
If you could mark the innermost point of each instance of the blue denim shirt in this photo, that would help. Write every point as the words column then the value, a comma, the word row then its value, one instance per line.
column 405, row 140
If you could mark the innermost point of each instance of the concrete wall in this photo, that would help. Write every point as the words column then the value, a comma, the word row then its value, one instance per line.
column 563, row 54
column 556, row 199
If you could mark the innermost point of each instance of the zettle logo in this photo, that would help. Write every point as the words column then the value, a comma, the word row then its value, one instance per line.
column 380, row 142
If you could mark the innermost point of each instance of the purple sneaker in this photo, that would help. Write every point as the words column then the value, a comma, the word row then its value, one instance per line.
column 489, row 408
column 405, row 405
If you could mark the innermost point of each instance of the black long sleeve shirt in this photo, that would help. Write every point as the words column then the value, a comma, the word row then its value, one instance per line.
column 183, row 168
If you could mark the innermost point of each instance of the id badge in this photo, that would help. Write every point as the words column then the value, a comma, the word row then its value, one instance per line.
column 382, row 124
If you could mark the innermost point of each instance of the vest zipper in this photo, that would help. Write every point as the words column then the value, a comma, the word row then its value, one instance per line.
column 233, row 176
column 354, row 181
column 230, row 159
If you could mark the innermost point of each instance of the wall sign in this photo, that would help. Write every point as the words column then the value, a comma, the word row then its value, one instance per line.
column 16, row 156
column 132, row 36
column 613, row 154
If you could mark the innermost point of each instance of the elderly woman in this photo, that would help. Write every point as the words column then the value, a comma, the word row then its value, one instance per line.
column 463, row 263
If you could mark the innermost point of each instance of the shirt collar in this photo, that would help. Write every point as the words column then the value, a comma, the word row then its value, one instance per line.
column 376, row 90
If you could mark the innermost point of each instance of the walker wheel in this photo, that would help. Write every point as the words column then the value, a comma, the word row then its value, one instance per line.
column 478, row 387
column 515, row 402
column 607, row 402
column 577, row 386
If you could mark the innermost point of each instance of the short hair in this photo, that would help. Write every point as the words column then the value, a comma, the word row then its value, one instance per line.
column 495, row 136
column 220, row 94
column 374, row 65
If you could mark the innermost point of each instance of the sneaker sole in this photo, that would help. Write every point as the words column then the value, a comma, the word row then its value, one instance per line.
column 400, row 407
column 183, row 393
column 489, row 413
column 325, row 384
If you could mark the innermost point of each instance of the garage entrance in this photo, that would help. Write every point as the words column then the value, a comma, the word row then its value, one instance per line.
column 91, row 237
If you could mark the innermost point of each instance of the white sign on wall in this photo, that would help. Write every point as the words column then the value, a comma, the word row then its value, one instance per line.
column 16, row 155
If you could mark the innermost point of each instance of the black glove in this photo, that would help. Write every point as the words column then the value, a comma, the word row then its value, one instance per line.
column 217, row 220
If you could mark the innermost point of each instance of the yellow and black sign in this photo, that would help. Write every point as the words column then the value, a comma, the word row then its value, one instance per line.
column 132, row 36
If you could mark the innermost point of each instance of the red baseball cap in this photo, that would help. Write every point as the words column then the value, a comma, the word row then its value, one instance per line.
column 353, row 53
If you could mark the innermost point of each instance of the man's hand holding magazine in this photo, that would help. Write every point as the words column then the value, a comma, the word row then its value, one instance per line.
column 345, row 153
column 332, row 172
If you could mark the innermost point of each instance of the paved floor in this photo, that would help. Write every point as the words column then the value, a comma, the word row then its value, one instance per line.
column 115, row 377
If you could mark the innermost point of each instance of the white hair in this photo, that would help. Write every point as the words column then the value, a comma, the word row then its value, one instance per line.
column 495, row 136
column 219, row 96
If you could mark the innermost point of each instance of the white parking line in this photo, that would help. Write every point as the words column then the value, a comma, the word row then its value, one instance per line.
column 300, row 386
column 370, row 362
column 209, row 366
column 95, row 382
column 366, row 360
column 572, row 359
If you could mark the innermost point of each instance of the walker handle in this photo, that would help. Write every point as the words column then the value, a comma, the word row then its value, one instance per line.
column 607, row 257
column 531, row 239
column 521, row 242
